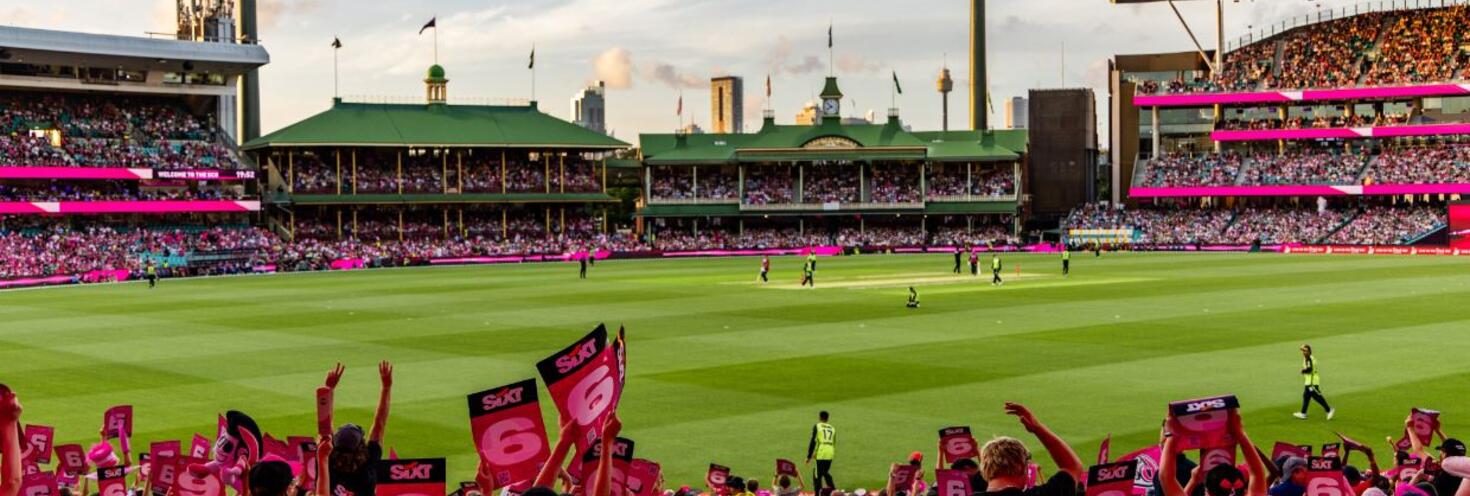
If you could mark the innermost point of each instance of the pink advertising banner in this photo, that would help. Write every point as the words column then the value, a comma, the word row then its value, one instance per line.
column 22, row 172
column 1341, row 133
column 1302, row 190
column 128, row 207
column 1205, row 99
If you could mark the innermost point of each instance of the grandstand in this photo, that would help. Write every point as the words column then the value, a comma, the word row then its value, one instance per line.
column 1349, row 128
column 393, row 184
column 117, row 150
column 871, row 185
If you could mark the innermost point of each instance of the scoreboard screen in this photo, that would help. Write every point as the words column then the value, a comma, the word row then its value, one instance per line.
column 1460, row 226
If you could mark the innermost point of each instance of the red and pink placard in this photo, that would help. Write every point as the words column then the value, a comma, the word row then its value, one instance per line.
column 508, row 432
column 957, row 443
column 952, row 482
column 583, row 381
column 1203, row 423
column 411, row 477
column 1112, row 479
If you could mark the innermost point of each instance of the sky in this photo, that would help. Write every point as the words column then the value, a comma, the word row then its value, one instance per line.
column 652, row 52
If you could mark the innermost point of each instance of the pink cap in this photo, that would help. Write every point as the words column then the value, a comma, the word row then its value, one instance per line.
column 101, row 455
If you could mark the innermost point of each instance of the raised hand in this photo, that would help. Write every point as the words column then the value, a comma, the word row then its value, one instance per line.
column 9, row 405
column 1028, row 419
column 613, row 426
column 485, row 478
column 385, row 371
column 334, row 376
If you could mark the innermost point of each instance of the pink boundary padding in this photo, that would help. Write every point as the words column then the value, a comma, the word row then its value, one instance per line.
column 1306, row 190
column 129, row 207
column 21, row 172
column 823, row 251
column 1341, row 133
column 1200, row 99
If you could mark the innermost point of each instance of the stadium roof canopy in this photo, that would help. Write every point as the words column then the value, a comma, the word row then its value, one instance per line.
column 831, row 140
column 49, row 47
column 435, row 125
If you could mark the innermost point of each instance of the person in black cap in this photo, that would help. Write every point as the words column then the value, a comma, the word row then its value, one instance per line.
column 1446, row 483
column 273, row 476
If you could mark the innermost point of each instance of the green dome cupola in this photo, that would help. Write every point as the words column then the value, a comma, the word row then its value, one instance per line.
column 436, row 84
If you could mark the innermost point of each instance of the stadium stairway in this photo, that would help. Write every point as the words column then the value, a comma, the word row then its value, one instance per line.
column 1246, row 164
column 1369, row 58
column 1346, row 220
column 1276, row 60
column 1363, row 174
column 1426, row 235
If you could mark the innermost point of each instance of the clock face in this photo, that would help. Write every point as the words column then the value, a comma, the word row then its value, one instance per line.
column 829, row 107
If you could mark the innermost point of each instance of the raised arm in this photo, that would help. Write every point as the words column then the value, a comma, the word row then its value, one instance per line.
column 10, row 469
column 323, row 461
column 1167, row 479
column 380, row 421
column 326, row 398
column 552, row 467
column 1061, row 454
column 1254, row 464
column 603, row 485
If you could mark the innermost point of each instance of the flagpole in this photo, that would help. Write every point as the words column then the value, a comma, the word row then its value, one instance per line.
column 436, row 40
column 335, row 91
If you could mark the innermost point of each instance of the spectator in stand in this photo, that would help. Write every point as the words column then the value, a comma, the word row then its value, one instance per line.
column 1004, row 461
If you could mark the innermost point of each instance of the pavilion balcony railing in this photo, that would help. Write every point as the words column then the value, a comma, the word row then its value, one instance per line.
column 972, row 198
column 830, row 206
column 693, row 201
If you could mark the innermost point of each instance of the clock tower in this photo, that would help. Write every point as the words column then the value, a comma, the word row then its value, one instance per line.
column 831, row 100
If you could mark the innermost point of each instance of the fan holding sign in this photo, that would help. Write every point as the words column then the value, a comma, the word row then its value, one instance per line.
column 1223, row 479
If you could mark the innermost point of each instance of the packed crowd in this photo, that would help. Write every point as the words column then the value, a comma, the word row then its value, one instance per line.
column 56, row 191
column 1317, row 122
column 1374, row 225
column 1389, row 226
column 1446, row 164
column 1434, row 164
column 992, row 181
column 1305, row 167
column 1283, row 225
column 108, row 131
column 770, row 185
column 58, row 250
column 1375, row 49
column 1179, row 170
column 894, row 184
column 829, row 184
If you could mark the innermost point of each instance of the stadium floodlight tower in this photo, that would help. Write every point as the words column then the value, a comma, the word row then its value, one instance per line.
column 1215, row 64
column 1218, row 61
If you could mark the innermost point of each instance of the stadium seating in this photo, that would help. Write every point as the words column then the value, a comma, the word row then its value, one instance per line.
column 1445, row 163
column 108, row 131
column 1368, row 225
column 1374, row 49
